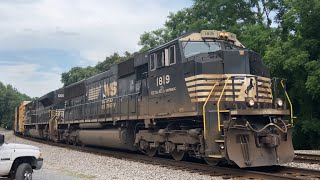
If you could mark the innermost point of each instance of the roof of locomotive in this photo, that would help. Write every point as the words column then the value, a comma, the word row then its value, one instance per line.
column 200, row 36
column 139, row 59
column 52, row 96
column 23, row 103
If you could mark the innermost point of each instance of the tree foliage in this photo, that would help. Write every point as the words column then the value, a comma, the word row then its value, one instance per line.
column 10, row 98
column 296, row 55
column 76, row 74
column 236, row 16
column 110, row 60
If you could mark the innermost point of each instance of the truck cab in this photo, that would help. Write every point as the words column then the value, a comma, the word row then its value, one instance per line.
column 17, row 161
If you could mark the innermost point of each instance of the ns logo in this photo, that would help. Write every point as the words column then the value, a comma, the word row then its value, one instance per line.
column 250, row 84
column 110, row 89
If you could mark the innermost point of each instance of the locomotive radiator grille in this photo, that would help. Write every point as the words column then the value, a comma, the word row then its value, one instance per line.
column 199, row 87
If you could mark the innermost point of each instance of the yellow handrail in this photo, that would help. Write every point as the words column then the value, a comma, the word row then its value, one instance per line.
column 204, row 111
column 291, row 109
column 218, row 104
column 271, row 91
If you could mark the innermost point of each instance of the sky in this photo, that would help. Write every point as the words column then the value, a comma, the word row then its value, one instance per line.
column 40, row 39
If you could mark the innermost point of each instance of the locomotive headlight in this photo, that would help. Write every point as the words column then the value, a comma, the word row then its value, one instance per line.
column 221, row 146
column 250, row 102
column 279, row 102
column 224, row 35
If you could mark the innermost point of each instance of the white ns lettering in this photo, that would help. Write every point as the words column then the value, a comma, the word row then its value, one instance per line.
column 111, row 89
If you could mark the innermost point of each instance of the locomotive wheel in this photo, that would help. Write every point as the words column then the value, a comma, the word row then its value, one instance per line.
column 211, row 161
column 82, row 145
column 69, row 142
column 73, row 141
column 151, row 152
column 178, row 156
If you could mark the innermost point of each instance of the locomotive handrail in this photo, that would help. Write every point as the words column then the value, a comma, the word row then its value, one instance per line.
column 288, row 98
column 268, row 125
column 204, row 109
column 218, row 103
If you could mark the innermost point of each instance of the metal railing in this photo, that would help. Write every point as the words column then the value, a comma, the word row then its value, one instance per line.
column 94, row 108
column 218, row 103
column 288, row 98
column 204, row 111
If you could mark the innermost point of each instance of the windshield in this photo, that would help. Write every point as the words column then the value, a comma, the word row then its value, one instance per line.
column 191, row 48
column 229, row 46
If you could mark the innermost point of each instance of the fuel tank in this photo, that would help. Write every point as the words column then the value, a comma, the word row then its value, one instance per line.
column 91, row 126
column 112, row 138
column 35, row 133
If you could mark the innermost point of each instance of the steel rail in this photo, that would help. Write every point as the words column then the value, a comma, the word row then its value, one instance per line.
column 307, row 158
column 300, row 172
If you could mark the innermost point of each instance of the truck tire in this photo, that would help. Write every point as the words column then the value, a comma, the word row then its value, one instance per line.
column 24, row 172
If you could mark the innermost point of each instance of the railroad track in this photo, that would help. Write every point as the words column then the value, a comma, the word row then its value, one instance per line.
column 225, row 172
column 299, row 173
column 307, row 158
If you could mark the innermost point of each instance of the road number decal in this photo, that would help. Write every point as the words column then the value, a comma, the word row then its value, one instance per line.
column 163, row 80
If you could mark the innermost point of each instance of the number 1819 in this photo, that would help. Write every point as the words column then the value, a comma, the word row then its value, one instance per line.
column 163, row 80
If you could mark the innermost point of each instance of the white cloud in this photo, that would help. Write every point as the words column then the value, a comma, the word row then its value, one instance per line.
column 98, row 27
column 28, row 78
column 91, row 30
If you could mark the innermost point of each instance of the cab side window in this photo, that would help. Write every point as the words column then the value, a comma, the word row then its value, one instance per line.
column 163, row 57
column 160, row 59
column 172, row 55
column 152, row 62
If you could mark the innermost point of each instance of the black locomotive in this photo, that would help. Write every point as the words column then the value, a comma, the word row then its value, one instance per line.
column 202, row 95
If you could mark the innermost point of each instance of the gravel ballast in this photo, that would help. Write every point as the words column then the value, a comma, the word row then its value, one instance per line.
column 305, row 165
column 308, row 151
column 90, row 166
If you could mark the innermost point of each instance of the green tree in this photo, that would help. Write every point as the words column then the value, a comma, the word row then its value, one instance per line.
column 295, row 55
column 154, row 38
column 10, row 98
column 111, row 60
column 76, row 74
column 236, row 16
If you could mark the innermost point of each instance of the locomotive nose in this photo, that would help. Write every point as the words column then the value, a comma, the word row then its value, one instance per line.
column 252, row 148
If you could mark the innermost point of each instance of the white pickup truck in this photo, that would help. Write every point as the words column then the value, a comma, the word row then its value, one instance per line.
column 17, row 161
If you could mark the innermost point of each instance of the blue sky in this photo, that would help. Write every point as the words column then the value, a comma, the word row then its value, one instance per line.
column 40, row 39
